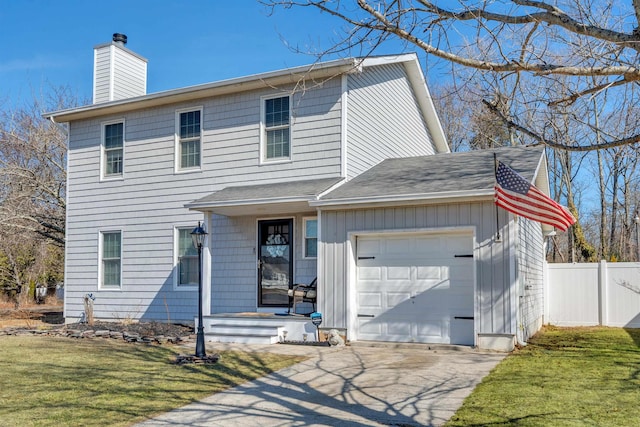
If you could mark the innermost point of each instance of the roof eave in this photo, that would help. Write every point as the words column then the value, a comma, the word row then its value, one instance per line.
column 241, row 84
column 420, row 198
column 250, row 202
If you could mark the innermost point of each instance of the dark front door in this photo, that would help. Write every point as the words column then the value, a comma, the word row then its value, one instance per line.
column 275, row 261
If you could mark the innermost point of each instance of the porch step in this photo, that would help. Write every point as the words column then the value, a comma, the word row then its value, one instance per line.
column 243, row 333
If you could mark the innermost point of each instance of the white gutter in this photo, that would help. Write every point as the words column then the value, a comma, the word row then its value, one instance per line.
column 234, row 203
column 418, row 197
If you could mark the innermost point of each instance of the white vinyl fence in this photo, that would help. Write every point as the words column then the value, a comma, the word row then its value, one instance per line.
column 601, row 293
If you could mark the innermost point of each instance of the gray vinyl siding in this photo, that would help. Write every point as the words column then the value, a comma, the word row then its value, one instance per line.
column 383, row 119
column 149, row 202
column 234, row 278
column 530, row 278
column 494, row 299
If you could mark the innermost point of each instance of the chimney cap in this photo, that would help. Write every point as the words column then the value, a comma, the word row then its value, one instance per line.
column 120, row 38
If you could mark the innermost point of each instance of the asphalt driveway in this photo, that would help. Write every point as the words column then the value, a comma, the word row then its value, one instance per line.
column 347, row 386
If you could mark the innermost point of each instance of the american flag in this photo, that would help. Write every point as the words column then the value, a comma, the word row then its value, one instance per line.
column 515, row 194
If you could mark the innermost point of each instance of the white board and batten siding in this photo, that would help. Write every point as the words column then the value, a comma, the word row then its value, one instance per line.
column 493, row 298
column 383, row 119
column 148, row 203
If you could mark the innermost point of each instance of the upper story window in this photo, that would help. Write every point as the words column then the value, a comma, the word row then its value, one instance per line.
column 111, row 259
column 276, row 135
column 188, row 146
column 113, row 150
column 310, row 237
column 186, row 258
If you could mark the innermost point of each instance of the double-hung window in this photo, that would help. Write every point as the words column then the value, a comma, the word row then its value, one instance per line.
column 187, row 258
column 113, row 150
column 310, row 237
column 276, row 137
column 189, row 148
column 111, row 259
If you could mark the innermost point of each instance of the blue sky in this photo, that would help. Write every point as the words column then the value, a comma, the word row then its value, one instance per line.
column 47, row 43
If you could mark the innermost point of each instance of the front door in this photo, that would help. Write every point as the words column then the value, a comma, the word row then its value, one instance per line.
column 275, row 262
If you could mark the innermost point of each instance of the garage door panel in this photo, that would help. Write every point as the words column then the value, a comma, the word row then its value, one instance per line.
column 397, row 298
column 413, row 287
column 431, row 272
column 399, row 273
column 369, row 329
column 397, row 246
column 433, row 330
column 399, row 328
column 370, row 273
column 370, row 300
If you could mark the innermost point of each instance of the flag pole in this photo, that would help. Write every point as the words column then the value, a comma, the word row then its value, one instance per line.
column 495, row 174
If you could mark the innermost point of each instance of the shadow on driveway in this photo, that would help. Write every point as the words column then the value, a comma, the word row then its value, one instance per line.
column 355, row 386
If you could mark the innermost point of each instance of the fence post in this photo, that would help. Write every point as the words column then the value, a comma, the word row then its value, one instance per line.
column 603, row 316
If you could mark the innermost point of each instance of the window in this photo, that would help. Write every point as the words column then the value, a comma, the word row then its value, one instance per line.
column 113, row 149
column 187, row 268
column 188, row 147
column 277, row 131
column 310, row 237
column 111, row 262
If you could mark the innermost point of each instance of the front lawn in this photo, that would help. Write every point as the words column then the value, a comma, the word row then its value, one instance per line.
column 564, row 377
column 47, row 381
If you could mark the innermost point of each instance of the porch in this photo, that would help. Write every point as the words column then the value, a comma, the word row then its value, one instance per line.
column 258, row 328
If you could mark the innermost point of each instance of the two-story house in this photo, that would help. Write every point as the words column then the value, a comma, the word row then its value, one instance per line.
column 338, row 171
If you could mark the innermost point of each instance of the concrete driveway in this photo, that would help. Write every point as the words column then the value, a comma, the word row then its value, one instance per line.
column 345, row 386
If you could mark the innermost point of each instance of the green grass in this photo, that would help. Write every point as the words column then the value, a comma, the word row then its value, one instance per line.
column 48, row 381
column 564, row 377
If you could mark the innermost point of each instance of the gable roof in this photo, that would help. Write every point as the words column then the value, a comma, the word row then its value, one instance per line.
column 316, row 71
column 466, row 175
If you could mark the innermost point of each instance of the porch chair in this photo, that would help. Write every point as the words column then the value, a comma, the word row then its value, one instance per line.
column 300, row 293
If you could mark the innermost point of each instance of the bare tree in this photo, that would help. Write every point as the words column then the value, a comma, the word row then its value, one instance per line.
column 542, row 40
column 33, row 171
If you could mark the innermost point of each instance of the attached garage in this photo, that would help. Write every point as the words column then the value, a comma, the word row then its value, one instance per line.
column 415, row 288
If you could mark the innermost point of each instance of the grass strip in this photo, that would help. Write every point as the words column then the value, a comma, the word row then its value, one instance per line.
column 47, row 381
column 563, row 377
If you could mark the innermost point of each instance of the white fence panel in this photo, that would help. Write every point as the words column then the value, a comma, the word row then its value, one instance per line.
column 573, row 294
column 593, row 294
column 623, row 295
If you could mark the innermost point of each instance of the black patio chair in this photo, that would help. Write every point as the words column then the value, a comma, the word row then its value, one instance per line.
column 301, row 293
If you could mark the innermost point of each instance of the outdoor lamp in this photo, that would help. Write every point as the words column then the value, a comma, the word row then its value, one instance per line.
column 198, row 235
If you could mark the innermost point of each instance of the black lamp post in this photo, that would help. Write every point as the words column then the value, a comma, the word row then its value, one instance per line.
column 198, row 235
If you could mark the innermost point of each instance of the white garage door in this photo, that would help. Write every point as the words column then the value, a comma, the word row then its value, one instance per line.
column 416, row 288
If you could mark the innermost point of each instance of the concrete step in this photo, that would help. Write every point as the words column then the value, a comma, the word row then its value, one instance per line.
column 257, row 330
column 241, row 339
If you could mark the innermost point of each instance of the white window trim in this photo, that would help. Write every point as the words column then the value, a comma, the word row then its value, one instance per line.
column 176, row 249
column 304, row 236
column 103, row 125
column 177, row 168
column 263, row 131
column 100, row 259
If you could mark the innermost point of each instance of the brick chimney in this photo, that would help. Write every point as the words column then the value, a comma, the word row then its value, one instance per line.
column 118, row 73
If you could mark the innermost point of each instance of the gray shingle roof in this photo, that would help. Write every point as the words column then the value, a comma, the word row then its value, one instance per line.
column 266, row 193
column 440, row 173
